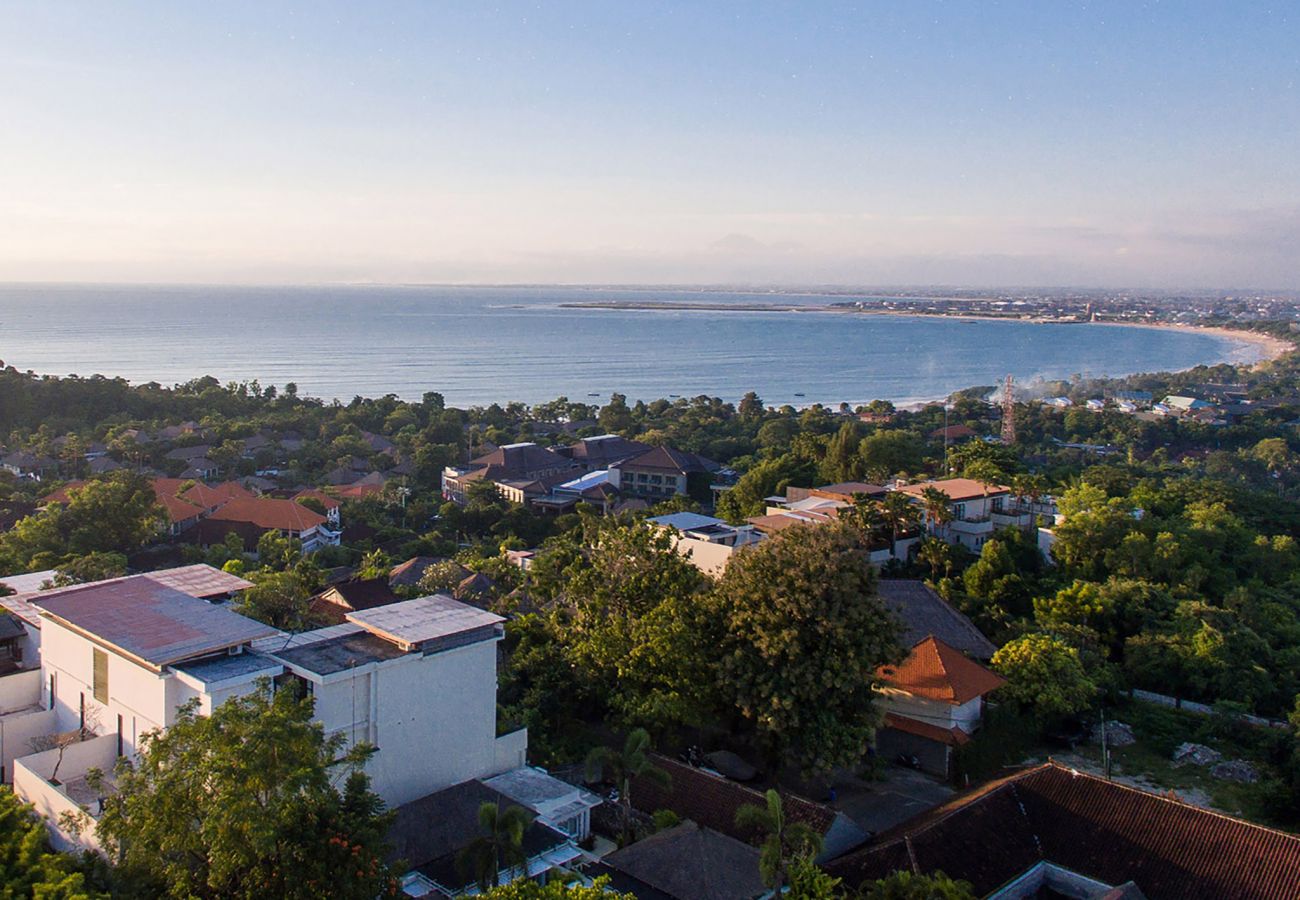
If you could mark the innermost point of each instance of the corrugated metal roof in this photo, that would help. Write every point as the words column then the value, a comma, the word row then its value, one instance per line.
column 414, row 622
column 150, row 621
column 200, row 581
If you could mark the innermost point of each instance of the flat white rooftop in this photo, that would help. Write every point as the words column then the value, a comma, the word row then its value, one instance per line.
column 424, row 620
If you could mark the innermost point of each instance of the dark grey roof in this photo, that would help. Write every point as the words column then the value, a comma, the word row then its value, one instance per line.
column 220, row 668
column 692, row 863
column 10, row 627
column 924, row 613
column 155, row 623
column 340, row 653
column 429, row 833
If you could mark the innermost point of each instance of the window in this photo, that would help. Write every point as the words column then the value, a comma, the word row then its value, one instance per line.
column 959, row 510
column 101, row 675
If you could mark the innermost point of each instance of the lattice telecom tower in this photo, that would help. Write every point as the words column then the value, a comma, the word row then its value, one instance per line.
column 1008, row 412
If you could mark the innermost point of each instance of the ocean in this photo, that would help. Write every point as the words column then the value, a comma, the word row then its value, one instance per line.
column 479, row 345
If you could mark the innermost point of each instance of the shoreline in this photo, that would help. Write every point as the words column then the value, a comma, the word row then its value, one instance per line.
column 1266, row 346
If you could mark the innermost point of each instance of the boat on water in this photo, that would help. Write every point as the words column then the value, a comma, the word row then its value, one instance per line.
column 800, row 395
column 594, row 394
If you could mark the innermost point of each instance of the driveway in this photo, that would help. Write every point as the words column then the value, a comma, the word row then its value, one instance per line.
column 880, row 805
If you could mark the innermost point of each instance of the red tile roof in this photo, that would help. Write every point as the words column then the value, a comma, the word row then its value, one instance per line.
column 711, row 800
column 953, row 737
column 325, row 499
column 1098, row 828
column 956, row 488
column 936, row 671
column 283, row 515
column 668, row 459
column 212, row 496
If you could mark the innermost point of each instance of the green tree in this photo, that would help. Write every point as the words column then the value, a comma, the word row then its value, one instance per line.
column 637, row 623
column 277, row 551
column 118, row 515
column 782, row 840
column 280, row 599
column 620, row 767
column 904, row 885
column 891, row 452
column 29, row 868
column 808, row 882
column 804, row 634
column 500, row 846
column 1044, row 675
column 900, row 515
column 243, row 804
column 769, row 477
column 554, row 889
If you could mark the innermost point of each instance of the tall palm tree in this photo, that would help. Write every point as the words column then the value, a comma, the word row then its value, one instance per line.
column 899, row 514
column 620, row 767
column 784, row 839
column 937, row 555
column 501, row 846
column 938, row 509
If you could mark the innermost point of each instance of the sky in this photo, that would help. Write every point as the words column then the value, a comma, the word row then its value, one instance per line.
column 1127, row 144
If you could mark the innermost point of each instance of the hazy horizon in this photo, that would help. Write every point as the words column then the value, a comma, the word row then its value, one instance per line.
column 1100, row 145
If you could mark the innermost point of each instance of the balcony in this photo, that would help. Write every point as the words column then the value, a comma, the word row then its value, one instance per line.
column 972, row 526
column 1013, row 518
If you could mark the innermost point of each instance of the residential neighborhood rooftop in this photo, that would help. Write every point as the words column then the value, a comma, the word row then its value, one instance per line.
column 923, row 613
column 956, row 488
column 936, row 671
column 150, row 621
column 1086, row 824
column 425, row 620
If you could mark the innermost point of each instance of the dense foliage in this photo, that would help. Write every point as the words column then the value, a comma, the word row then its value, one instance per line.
column 243, row 803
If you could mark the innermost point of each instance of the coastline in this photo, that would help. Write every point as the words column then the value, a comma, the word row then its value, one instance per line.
column 1267, row 346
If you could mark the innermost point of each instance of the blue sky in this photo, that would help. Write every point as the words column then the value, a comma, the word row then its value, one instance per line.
column 1116, row 144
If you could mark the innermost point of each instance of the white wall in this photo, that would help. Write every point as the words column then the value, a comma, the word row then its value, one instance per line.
column 967, row 716
column 31, row 774
column 144, row 699
column 432, row 717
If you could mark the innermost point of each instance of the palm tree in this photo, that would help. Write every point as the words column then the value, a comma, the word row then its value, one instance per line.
column 784, row 840
column 937, row 508
column 606, row 763
column 866, row 517
column 937, row 555
column 899, row 514
column 501, row 846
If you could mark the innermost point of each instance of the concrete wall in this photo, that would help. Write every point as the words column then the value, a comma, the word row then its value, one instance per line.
column 31, row 783
column 511, row 751
column 432, row 717
column 16, row 733
column 144, row 699
column 711, row 559
column 20, row 690
column 931, row 712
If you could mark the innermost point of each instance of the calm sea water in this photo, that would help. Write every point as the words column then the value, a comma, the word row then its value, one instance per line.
column 480, row 345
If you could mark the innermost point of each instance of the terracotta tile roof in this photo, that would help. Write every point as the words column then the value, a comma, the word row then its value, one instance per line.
column 937, row 671
column 335, row 602
column 712, row 800
column 953, row 737
column 325, row 499
column 668, row 459
column 214, row 495
column 1107, row 831
column 265, row 513
column 956, row 488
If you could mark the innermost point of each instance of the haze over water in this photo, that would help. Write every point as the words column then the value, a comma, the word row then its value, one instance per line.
column 485, row 345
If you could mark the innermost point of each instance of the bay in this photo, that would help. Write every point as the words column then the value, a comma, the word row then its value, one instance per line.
column 479, row 345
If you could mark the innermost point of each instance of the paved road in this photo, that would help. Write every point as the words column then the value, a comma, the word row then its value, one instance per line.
column 879, row 805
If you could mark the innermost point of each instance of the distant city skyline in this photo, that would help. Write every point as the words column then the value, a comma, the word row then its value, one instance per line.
column 1144, row 145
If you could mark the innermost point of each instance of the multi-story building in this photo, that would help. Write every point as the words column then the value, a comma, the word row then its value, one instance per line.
column 416, row 679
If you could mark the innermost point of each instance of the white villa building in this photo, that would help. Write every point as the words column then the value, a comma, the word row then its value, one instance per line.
column 975, row 509
column 416, row 679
